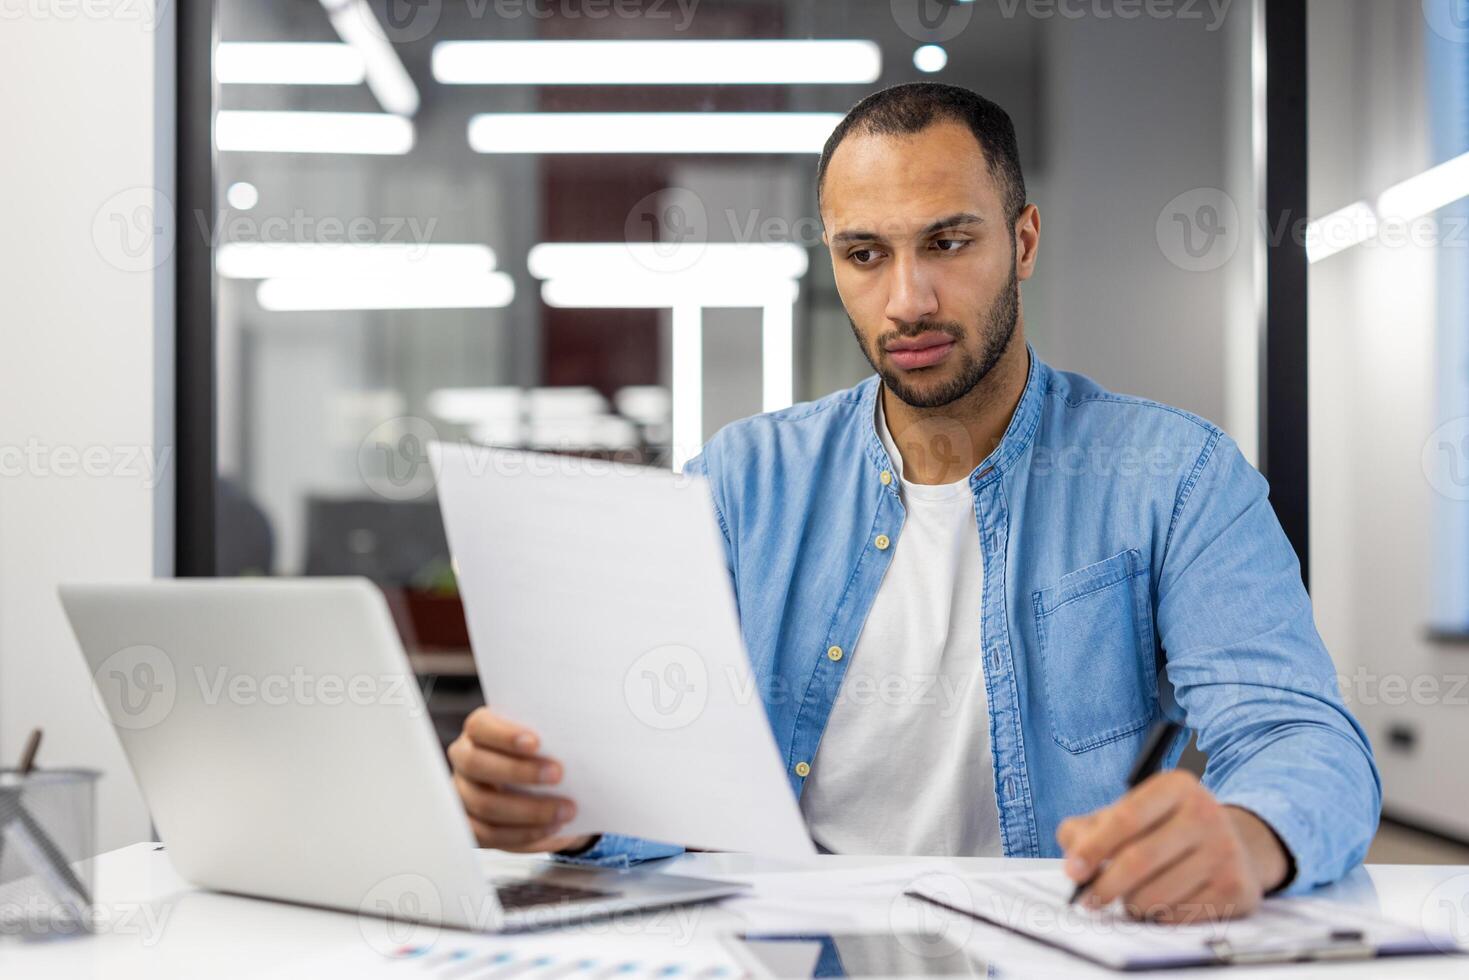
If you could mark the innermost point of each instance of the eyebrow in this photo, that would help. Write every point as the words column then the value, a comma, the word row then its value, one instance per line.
column 943, row 224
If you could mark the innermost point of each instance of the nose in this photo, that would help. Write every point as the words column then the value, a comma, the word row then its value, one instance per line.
column 911, row 296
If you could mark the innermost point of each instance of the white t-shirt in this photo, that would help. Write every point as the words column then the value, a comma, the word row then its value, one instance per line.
column 904, row 765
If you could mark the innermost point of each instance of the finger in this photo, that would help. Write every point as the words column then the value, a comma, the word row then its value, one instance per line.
column 499, row 807
column 488, row 730
column 1072, row 828
column 1191, row 908
column 1206, row 905
column 483, row 832
column 512, row 838
column 482, row 765
column 1143, row 859
column 1229, row 889
column 1137, row 813
column 1189, row 880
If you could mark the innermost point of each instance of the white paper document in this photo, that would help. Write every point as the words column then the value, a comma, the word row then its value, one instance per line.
column 1283, row 930
column 827, row 899
column 602, row 616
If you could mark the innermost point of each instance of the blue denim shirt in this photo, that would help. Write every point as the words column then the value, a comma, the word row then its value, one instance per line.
column 1133, row 568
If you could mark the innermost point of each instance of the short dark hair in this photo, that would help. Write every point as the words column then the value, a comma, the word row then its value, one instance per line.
column 914, row 106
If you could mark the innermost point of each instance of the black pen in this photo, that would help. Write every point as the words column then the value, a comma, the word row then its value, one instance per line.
column 1149, row 759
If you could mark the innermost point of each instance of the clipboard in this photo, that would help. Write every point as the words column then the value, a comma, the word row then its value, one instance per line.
column 1284, row 930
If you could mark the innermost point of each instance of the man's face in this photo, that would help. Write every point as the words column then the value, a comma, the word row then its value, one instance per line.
column 925, row 258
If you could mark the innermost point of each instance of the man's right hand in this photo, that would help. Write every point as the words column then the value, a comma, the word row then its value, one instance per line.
column 494, row 762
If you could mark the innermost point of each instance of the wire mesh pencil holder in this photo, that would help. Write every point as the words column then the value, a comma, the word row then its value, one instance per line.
column 48, row 828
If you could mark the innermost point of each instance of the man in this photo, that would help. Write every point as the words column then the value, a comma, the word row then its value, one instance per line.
column 970, row 584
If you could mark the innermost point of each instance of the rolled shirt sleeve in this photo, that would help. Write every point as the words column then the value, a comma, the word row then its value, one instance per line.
column 1253, row 677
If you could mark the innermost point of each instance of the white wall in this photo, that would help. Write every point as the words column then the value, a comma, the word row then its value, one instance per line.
column 1372, row 379
column 86, row 363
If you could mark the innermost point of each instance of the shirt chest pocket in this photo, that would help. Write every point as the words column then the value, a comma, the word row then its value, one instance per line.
column 1094, row 628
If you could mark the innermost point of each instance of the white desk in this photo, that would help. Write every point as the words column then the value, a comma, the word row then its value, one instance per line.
column 155, row 926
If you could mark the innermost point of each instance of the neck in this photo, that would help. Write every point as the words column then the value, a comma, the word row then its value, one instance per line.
column 944, row 444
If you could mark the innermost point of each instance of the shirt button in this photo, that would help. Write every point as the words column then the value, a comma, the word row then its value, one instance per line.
column 882, row 542
column 834, row 653
column 803, row 770
column 886, row 477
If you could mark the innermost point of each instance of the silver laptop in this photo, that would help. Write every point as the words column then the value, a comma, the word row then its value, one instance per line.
column 285, row 752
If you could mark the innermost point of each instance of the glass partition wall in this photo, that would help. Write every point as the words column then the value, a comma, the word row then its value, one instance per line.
column 591, row 227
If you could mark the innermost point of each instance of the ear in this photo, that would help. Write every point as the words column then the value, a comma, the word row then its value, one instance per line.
column 1027, row 241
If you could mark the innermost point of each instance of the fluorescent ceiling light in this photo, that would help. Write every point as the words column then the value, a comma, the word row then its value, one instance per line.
column 632, row 275
column 777, row 357
column 1427, row 192
column 312, row 132
column 287, row 63
column 619, row 260
column 350, row 260
column 663, row 293
column 242, row 195
column 489, row 291
column 583, row 62
column 1340, row 230
column 648, row 274
column 651, row 132
column 930, row 58
column 389, row 81
column 1415, row 197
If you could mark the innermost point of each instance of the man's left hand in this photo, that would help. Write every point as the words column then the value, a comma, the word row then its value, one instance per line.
column 1173, row 853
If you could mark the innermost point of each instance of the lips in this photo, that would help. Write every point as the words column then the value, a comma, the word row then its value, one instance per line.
column 924, row 350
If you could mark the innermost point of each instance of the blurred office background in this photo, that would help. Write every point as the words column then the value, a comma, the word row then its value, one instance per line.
column 451, row 247
column 425, row 227
column 310, row 367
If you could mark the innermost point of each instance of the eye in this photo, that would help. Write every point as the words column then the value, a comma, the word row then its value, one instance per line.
column 957, row 243
column 862, row 256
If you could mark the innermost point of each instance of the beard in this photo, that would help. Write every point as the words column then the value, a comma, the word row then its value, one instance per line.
column 996, row 329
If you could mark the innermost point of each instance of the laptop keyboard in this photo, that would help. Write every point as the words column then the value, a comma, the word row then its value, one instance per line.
column 525, row 894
